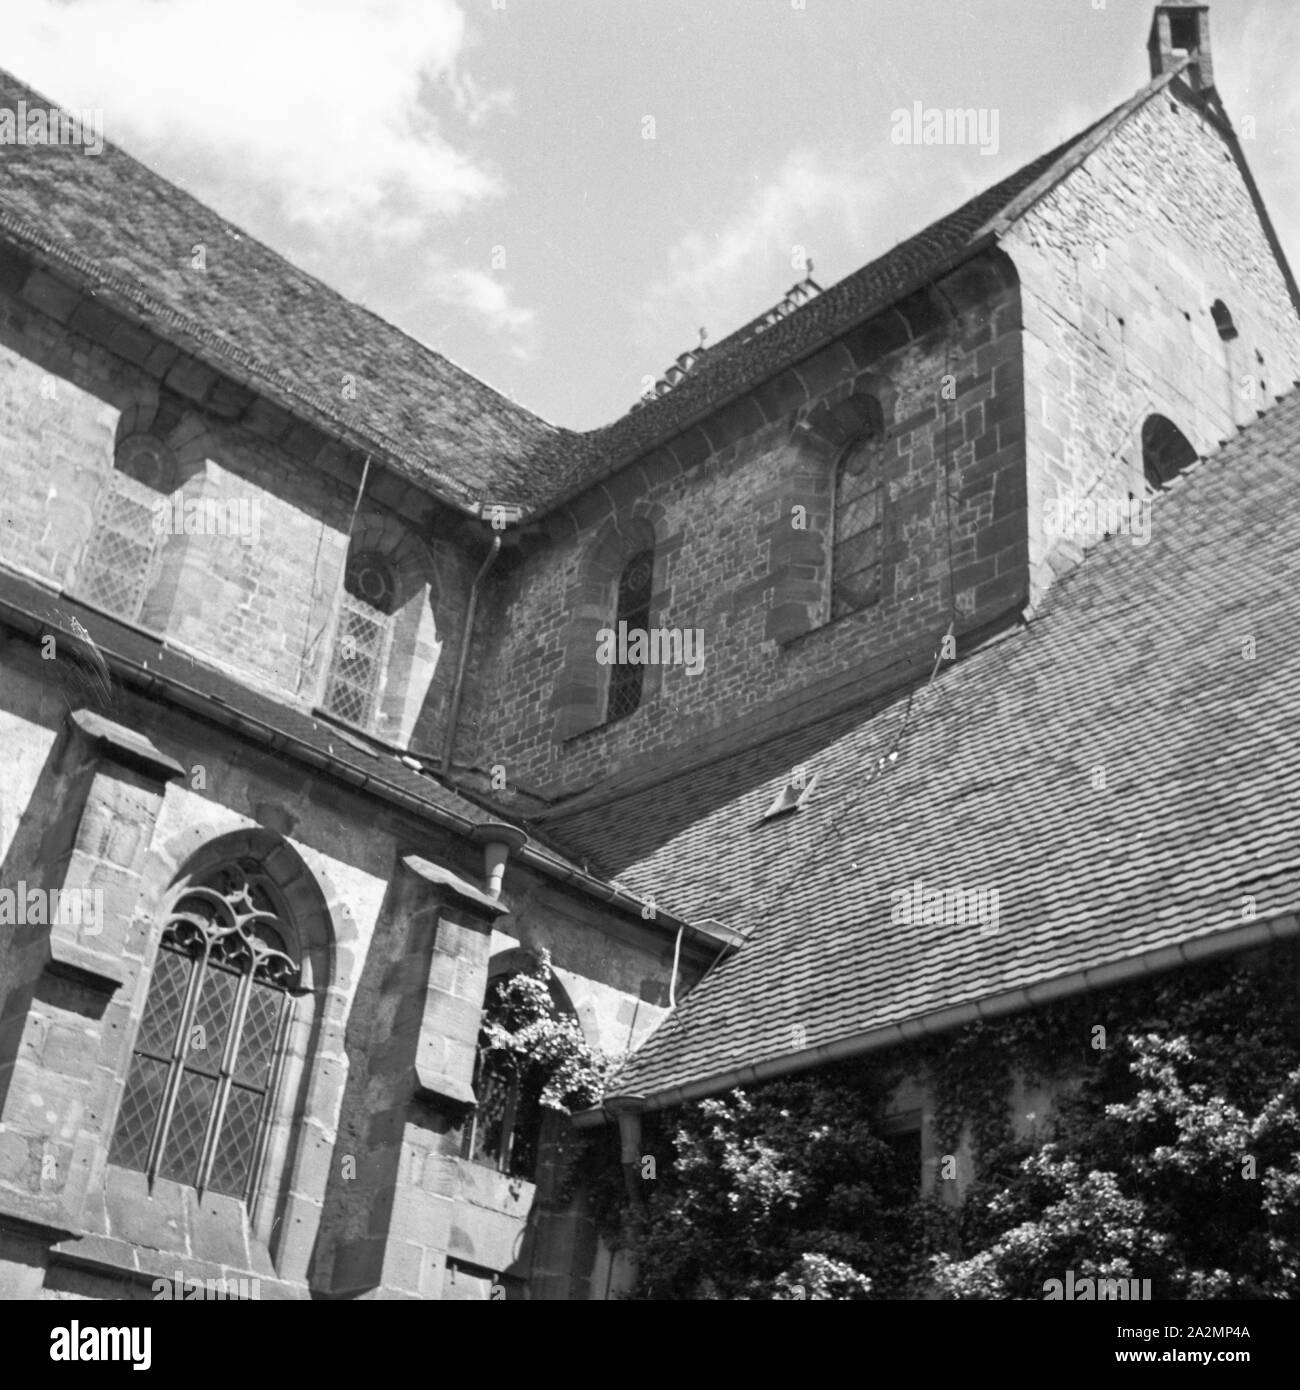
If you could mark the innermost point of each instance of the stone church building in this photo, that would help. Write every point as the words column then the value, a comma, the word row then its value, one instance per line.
column 983, row 556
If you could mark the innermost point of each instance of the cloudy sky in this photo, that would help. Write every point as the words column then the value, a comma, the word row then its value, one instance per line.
column 558, row 194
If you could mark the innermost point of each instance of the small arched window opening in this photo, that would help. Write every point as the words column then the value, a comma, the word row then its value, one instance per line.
column 1222, row 317
column 132, row 519
column 627, row 679
column 196, row 1104
column 859, row 517
column 362, row 640
column 505, row 1129
column 1166, row 451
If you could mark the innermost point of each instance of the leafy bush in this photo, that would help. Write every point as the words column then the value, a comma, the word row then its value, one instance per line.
column 526, row 1034
column 786, row 1192
column 1173, row 1155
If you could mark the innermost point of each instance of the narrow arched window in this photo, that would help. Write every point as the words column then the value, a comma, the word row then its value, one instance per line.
column 533, row 1061
column 195, row 1106
column 506, row 1123
column 131, row 520
column 859, row 494
column 1222, row 317
column 362, row 640
column 627, row 679
column 1166, row 451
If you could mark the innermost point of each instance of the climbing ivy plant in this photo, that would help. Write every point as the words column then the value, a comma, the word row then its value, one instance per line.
column 1171, row 1154
column 526, row 1034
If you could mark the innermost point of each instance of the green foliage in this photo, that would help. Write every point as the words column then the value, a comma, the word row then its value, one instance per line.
column 1176, row 1159
column 1177, row 1184
column 1173, row 1154
column 526, row 1034
column 784, row 1193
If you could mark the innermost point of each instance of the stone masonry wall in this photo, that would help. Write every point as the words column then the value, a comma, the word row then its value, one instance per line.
column 75, row 379
column 67, row 1021
column 731, row 560
column 1119, row 267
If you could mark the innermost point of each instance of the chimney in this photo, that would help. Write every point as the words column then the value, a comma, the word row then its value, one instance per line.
column 1179, row 28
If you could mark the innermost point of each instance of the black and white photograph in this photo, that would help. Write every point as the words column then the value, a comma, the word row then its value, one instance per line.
column 650, row 652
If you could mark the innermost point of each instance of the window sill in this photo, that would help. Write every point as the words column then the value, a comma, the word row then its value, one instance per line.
column 825, row 624
column 603, row 727
column 437, row 1087
column 169, row 1228
column 119, row 1259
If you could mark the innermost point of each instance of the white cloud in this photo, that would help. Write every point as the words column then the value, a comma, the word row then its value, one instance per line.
column 489, row 298
column 720, row 279
column 322, row 124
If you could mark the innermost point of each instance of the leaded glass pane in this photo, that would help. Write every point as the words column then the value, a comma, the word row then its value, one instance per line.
column 856, row 560
column 114, row 570
column 162, row 1010
column 855, row 517
column 626, row 681
column 224, row 947
column 360, row 650
column 206, row 1044
column 237, row 1141
column 258, row 1042
column 189, row 1127
column 137, row 1118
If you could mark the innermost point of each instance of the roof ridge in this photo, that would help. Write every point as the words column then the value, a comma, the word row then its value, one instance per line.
column 1075, row 152
column 663, row 418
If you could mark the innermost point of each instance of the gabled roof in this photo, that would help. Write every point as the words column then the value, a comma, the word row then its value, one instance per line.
column 1138, row 665
column 112, row 224
column 109, row 219
column 746, row 358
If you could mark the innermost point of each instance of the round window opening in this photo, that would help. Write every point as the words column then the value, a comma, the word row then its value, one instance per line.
column 638, row 575
column 147, row 459
column 370, row 579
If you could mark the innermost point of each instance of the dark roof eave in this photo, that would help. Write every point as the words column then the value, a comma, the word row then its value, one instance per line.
column 985, row 238
column 225, row 358
column 187, row 698
column 936, row 271
column 1278, row 927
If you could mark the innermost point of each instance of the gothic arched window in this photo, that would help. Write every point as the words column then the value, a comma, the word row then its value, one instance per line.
column 627, row 679
column 505, row 1126
column 203, row 1068
column 855, row 567
column 1166, row 451
column 362, row 640
column 120, row 558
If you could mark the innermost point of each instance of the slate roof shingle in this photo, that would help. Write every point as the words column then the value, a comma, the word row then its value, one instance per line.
column 1135, row 665
column 469, row 440
column 445, row 429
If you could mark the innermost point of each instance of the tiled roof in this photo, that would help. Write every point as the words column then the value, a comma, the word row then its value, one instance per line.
column 109, row 218
column 1136, row 665
column 133, row 227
